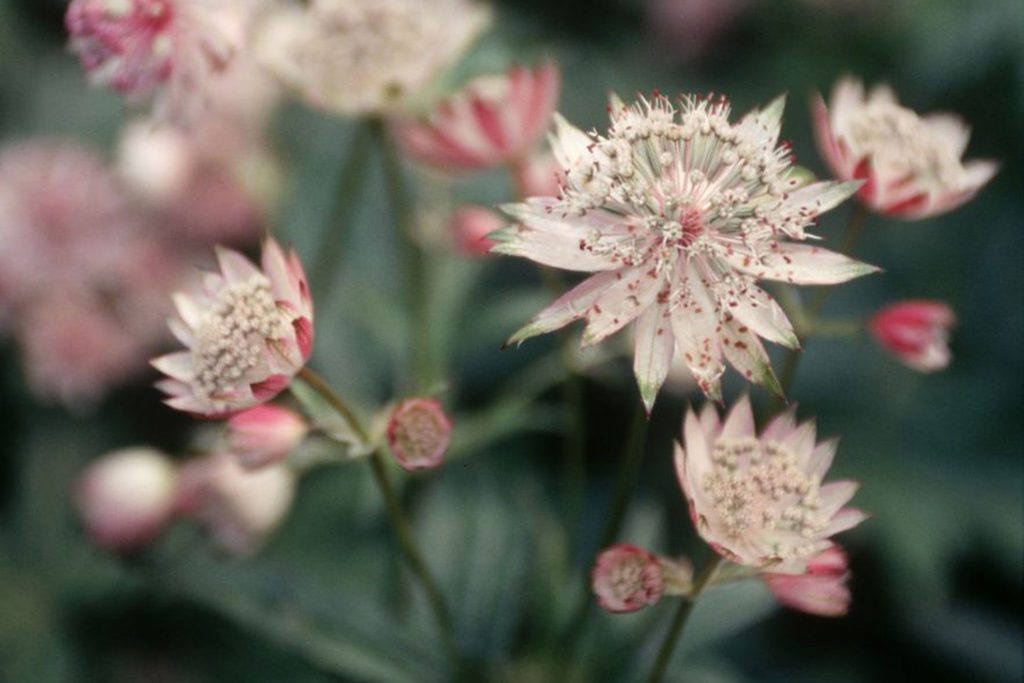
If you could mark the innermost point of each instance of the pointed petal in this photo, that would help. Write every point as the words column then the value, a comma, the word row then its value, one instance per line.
column 781, row 426
column 190, row 312
column 817, row 198
column 570, row 306
column 757, row 310
column 695, row 326
column 568, row 143
column 653, row 352
column 621, row 303
column 834, row 495
column 821, row 458
column 176, row 365
column 740, row 422
column 801, row 264
column 746, row 353
column 844, row 520
column 234, row 266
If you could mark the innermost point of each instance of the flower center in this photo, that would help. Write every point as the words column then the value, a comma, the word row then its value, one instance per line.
column 231, row 339
column 627, row 578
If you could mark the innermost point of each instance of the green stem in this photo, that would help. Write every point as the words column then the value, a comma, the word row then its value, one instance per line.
column 682, row 616
column 351, row 179
column 399, row 522
column 854, row 230
column 413, row 259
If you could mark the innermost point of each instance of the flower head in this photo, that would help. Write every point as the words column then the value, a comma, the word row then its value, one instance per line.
column 238, row 507
column 248, row 332
column 146, row 47
column 265, row 434
column 126, row 497
column 821, row 590
column 626, row 578
column 365, row 57
column 911, row 164
column 916, row 332
column 759, row 501
column 493, row 121
column 679, row 213
column 419, row 433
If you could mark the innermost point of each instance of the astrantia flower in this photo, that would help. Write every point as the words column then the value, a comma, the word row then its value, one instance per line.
column 821, row 590
column 759, row 501
column 248, row 332
column 146, row 47
column 911, row 164
column 916, row 332
column 265, row 435
column 365, row 57
column 626, row 578
column 419, row 433
column 493, row 121
column 679, row 212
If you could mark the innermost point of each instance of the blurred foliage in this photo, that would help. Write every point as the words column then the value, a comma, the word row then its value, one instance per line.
column 938, row 570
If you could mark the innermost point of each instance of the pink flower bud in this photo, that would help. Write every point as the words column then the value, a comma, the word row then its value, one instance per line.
column 626, row 578
column 419, row 433
column 125, row 498
column 822, row 590
column 471, row 225
column 265, row 434
column 916, row 332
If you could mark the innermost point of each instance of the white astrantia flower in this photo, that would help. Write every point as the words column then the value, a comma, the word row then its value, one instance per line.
column 679, row 213
column 367, row 57
column 759, row 499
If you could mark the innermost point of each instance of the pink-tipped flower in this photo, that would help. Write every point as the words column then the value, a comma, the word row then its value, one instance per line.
column 822, row 590
column 238, row 507
column 493, row 121
column 419, row 432
column 265, row 435
column 141, row 48
column 916, row 332
column 626, row 578
column 247, row 333
column 676, row 215
column 911, row 164
column 472, row 225
column 126, row 498
column 759, row 501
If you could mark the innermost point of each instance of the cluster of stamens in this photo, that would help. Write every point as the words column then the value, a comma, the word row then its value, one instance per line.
column 757, row 487
column 232, row 338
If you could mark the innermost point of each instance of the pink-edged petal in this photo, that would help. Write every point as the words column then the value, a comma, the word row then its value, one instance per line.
column 825, row 139
column 739, row 424
column 654, row 348
column 569, row 307
column 824, row 596
column 802, row 264
column 621, row 303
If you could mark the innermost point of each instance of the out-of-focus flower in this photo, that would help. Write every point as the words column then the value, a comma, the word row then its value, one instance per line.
column 626, row 578
column 155, row 161
column 540, row 175
column 419, row 432
column 759, row 501
column 916, row 332
column 493, row 121
column 247, row 332
column 237, row 506
column 265, row 434
column 367, row 57
column 911, row 164
column 125, row 498
column 679, row 213
column 688, row 29
column 472, row 224
column 822, row 590
column 142, row 48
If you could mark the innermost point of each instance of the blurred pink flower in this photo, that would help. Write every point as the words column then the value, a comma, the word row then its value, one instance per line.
column 687, row 29
column 911, row 164
column 821, row 590
column 126, row 498
column 759, row 501
column 493, row 121
column 419, row 432
column 626, row 578
column 916, row 332
column 539, row 175
column 265, row 435
column 238, row 507
column 248, row 332
column 142, row 48
column 677, row 214
column 471, row 226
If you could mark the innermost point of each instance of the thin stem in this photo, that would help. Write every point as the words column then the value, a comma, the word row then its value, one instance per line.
column 407, row 541
column 351, row 179
column 682, row 616
column 413, row 259
column 852, row 234
column 399, row 521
